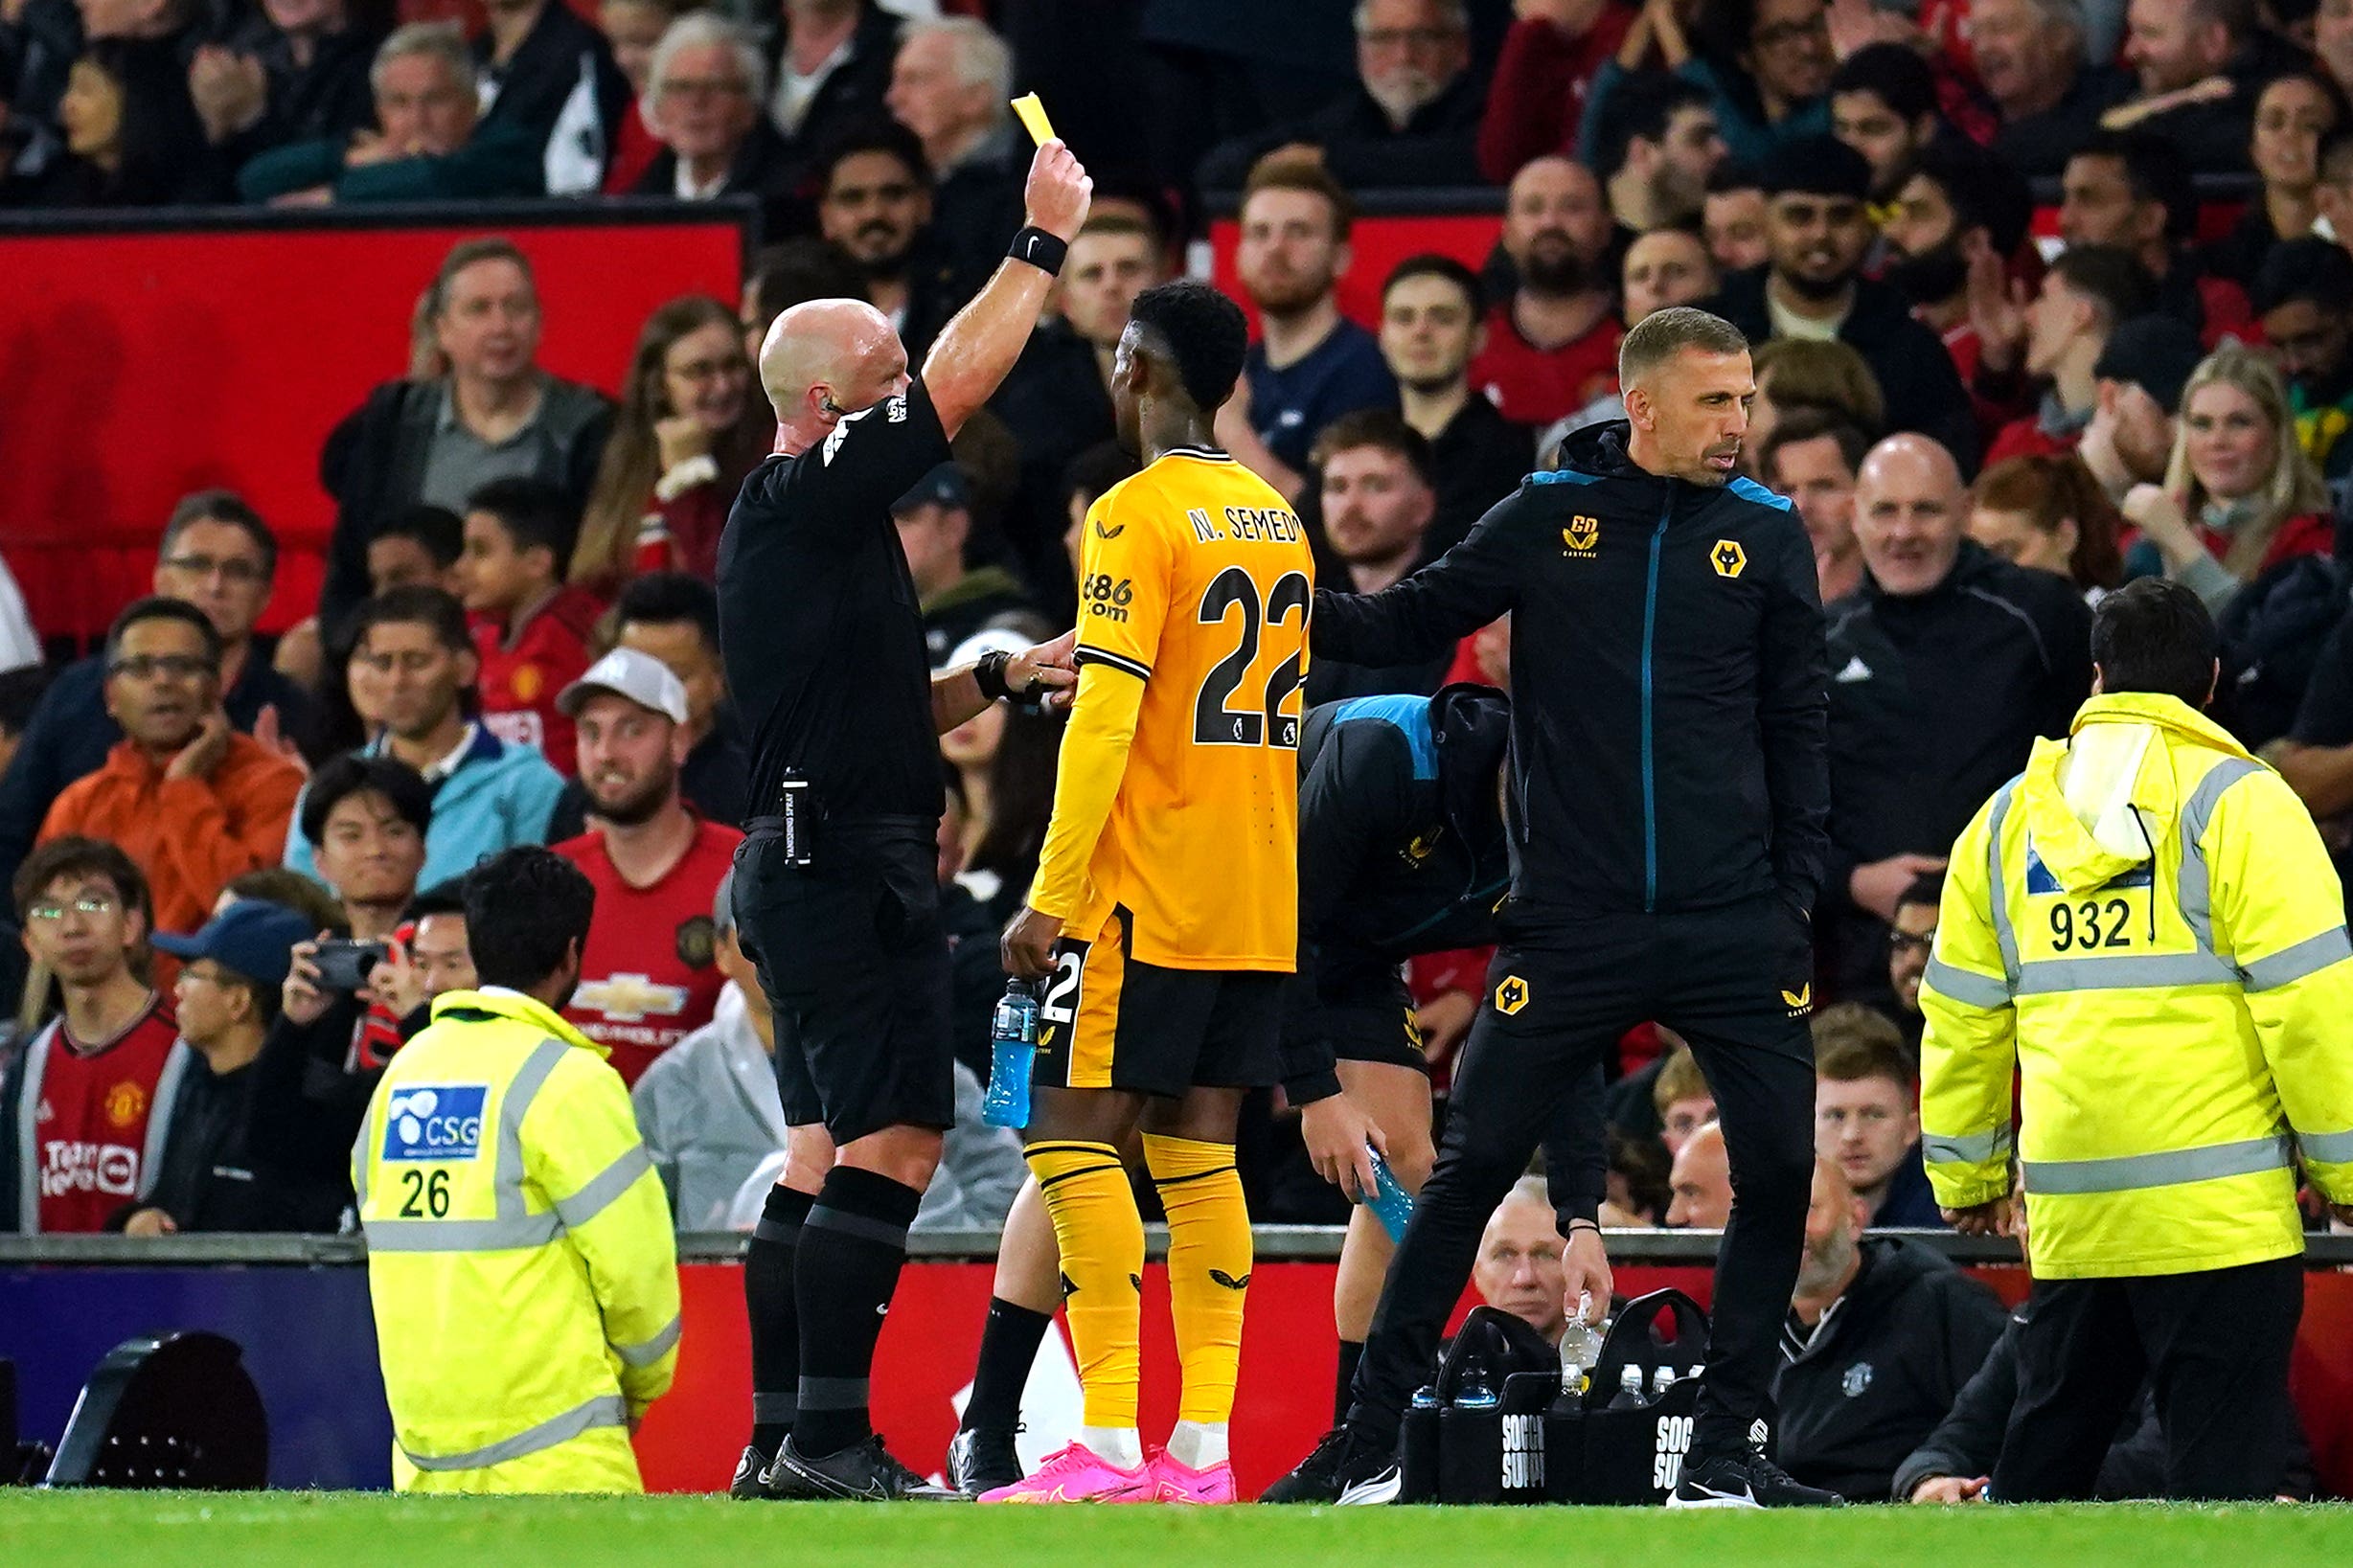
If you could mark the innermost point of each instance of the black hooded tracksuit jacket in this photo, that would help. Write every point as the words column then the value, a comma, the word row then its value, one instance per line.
column 1668, row 737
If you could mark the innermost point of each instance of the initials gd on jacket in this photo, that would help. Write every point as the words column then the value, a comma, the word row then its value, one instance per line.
column 519, row 1252
column 2144, row 924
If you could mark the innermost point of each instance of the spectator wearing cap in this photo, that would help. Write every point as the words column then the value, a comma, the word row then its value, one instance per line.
column 648, row 976
column 2142, row 375
column 1944, row 668
column 1812, row 287
column 1412, row 118
column 1884, row 104
column 2087, row 293
column 213, row 1173
column 2296, row 115
column 431, row 141
column 193, row 801
column 2031, row 60
column 216, row 554
column 413, row 662
column 2133, row 189
column 935, row 524
column 704, row 92
column 1953, row 203
column 1537, row 101
column 1552, row 345
column 2199, row 66
column 1375, row 498
column 708, row 1107
column 1432, row 325
column 2303, row 298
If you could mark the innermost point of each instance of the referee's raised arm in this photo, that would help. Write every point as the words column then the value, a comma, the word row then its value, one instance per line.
column 974, row 351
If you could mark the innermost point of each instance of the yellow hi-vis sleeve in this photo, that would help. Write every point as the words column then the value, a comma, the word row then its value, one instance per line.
column 1968, row 1051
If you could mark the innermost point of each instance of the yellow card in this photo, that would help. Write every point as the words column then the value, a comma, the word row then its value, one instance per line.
column 1033, row 119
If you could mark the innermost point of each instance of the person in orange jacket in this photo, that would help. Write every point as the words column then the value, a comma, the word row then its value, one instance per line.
column 188, row 798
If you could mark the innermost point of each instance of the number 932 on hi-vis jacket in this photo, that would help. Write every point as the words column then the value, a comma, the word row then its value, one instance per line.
column 520, row 1257
column 2145, row 926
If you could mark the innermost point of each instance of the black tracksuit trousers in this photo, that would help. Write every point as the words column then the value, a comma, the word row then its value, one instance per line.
column 1560, row 994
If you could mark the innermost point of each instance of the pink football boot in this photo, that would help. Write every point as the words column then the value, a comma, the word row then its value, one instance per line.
column 1078, row 1474
column 1175, row 1483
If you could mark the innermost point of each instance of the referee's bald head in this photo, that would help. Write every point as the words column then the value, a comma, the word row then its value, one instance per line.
column 824, row 358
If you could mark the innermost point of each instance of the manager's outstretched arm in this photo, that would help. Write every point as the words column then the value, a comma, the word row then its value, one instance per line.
column 974, row 351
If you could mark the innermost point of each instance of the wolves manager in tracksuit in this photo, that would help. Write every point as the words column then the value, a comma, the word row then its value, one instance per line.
column 1668, row 809
column 2144, row 930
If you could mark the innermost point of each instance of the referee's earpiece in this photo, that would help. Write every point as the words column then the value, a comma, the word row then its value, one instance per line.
column 826, row 404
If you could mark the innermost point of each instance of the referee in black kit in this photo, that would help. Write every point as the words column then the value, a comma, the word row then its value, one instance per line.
column 1668, row 798
column 837, row 892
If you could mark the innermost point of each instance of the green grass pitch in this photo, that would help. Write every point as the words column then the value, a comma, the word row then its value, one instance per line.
column 155, row 1530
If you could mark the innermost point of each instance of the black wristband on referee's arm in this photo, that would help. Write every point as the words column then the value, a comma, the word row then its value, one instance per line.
column 989, row 674
column 1041, row 250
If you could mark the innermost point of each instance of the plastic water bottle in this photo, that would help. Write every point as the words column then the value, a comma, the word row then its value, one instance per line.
column 1662, row 1380
column 1629, row 1395
column 1580, row 1349
column 1012, row 1047
column 1475, row 1392
column 1391, row 1204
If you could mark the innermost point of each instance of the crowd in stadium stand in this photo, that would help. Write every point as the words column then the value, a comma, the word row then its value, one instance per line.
column 2046, row 295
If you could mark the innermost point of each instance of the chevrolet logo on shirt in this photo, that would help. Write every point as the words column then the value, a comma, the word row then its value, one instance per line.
column 626, row 998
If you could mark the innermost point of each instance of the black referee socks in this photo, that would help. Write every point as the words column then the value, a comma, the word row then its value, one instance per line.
column 776, row 1326
column 852, row 1248
column 1008, row 1344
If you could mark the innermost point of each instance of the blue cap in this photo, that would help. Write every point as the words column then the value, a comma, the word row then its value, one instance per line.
column 943, row 486
column 252, row 938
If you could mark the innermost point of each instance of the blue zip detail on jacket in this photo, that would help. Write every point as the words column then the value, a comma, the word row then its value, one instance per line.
column 1650, row 780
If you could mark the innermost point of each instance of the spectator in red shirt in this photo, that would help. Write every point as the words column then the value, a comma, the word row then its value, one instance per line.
column 100, row 1079
column 633, row 27
column 2088, row 292
column 688, row 429
column 2240, row 495
column 1657, row 152
column 1549, row 59
column 648, row 976
column 1552, row 345
column 2133, row 189
column 530, row 630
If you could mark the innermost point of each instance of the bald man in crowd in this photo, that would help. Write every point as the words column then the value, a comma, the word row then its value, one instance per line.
column 1518, row 1269
column 1943, row 670
column 1552, row 345
column 836, row 894
column 1702, row 1182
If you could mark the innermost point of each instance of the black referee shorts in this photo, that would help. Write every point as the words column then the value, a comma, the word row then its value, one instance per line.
column 854, row 959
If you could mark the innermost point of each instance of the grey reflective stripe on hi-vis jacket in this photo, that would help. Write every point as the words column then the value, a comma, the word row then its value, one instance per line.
column 2171, row 1168
column 604, row 1410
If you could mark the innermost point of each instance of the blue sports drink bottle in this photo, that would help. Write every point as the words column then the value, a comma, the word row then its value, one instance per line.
column 1013, row 1046
column 1389, row 1201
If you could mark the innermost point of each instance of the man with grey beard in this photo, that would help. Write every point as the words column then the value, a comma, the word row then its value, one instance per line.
column 1882, row 1334
column 1412, row 118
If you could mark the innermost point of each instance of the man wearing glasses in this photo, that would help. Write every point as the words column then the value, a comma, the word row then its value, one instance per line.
column 218, row 555
column 193, row 801
column 83, row 1108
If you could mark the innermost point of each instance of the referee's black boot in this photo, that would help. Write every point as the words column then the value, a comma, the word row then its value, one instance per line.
column 864, row 1473
column 745, row 1488
column 1347, row 1467
column 982, row 1461
column 1745, row 1480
